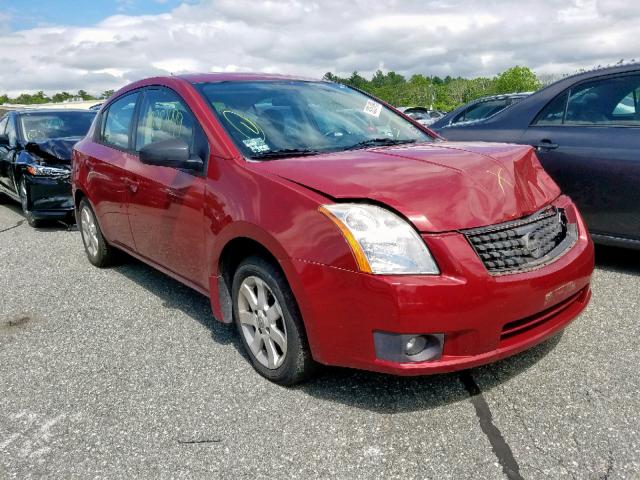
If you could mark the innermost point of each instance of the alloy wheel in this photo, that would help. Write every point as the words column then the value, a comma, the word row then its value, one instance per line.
column 262, row 322
column 89, row 231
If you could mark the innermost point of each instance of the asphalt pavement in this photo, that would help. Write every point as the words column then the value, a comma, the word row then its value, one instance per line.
column 123, row 373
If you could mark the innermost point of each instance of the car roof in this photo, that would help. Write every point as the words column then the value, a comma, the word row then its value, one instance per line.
column 240, row 77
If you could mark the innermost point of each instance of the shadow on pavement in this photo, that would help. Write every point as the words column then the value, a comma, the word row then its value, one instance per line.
column 177, row 296
column 366, row 390
column 615, row 259
column 390, row 394
column 45, row 225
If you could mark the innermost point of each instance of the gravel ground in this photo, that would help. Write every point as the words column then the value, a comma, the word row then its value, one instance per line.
column 123, row 373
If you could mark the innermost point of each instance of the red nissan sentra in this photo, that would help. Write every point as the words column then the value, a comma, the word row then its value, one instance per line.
column 329, row 227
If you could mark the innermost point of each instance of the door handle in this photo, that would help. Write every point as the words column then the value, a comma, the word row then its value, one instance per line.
column 132, row 185
column 546, row 145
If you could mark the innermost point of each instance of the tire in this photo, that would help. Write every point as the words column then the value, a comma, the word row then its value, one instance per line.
column 24, row 203
column 99, row 252
column 268, row 320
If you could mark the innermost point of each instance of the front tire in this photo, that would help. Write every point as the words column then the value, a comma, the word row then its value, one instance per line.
column 269, row 323
column 24, row 203
column 99, row 252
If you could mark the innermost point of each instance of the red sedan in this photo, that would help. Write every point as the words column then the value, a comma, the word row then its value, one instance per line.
column 329, row 227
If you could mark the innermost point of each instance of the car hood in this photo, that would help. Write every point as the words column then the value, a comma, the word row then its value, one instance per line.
column 440, row 186
column 53, row 150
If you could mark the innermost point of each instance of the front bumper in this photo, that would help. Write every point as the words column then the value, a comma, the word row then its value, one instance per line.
column 49, row 196
column 483, row 317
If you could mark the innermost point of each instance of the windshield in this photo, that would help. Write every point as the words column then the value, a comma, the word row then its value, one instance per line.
column 265, row 118
column 43, row 126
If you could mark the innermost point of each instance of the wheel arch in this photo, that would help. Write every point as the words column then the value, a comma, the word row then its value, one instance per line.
column 78, row 195
column 226, row 262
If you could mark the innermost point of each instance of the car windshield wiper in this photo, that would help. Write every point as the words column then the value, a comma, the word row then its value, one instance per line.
column 285, row 152
column 375, row 142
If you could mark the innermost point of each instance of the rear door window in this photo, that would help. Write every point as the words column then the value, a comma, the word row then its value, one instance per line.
column 612, row 101
column 116, row 125
column 483, row 110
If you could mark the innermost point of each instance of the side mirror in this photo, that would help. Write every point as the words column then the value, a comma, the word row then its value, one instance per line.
column 4, row 140
column 173, row 153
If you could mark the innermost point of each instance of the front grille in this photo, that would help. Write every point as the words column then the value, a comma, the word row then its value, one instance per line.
column 525, row 243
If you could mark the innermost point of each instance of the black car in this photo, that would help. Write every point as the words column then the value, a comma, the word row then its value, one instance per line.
column 479, row 109
column 35, row 159
column 586, row 129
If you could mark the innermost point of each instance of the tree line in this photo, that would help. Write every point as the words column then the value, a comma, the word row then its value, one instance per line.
column 40, row 97
column 439, row 93
column 419, row 90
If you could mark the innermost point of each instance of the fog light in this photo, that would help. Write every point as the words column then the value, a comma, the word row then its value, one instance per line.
column 415, row 345
column 408, row 347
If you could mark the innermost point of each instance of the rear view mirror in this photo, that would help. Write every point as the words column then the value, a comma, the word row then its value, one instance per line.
column 4, row 140
column 173, row 152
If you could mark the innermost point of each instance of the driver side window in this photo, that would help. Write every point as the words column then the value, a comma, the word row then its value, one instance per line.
column 164, row 116
column 11, row 132
column 3, row 125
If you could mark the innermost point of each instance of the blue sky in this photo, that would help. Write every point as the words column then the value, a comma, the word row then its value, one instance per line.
column 25, row 14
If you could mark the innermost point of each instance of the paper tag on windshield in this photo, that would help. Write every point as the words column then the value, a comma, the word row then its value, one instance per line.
column 256, row 145
column 373, row 108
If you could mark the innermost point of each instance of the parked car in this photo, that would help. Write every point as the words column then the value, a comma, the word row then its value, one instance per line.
column 35, row 155
column 322, row 237
column 586, row 129
column 477, row 110
column 424, row 116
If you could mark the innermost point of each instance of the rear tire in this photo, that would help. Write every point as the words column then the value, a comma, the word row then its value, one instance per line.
column 99, row 252
column 269, row 323
column 24, row 203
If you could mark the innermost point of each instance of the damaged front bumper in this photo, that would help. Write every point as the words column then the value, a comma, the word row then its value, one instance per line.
column 49, row 195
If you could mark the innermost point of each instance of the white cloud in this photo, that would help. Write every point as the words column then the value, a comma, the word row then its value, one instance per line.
column 440, row 37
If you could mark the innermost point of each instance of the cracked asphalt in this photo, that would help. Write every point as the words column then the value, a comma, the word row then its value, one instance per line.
column 123, row 373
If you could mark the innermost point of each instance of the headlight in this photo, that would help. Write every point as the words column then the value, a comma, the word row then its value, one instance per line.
column 381, row 241
column 41, row 170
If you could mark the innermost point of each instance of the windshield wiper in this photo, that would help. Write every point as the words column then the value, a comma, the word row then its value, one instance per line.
column 285, row 152
column 379, row 142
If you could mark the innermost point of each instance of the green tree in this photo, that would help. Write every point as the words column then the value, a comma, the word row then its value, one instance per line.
column 61, row 97
column 85, row 96
column 356, row 80
column 330, row 77
column 106, row 94
column 516, row 79
column 29, row 99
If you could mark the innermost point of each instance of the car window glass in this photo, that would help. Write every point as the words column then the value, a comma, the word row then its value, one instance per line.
column 553, row 113
column 42, row 125
column 164, row 116
column 117, row 121
column 11, row 133
column 266, row 117
column 482, row 110
column 3, row 125
column 629, row 104
column 605, row 102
